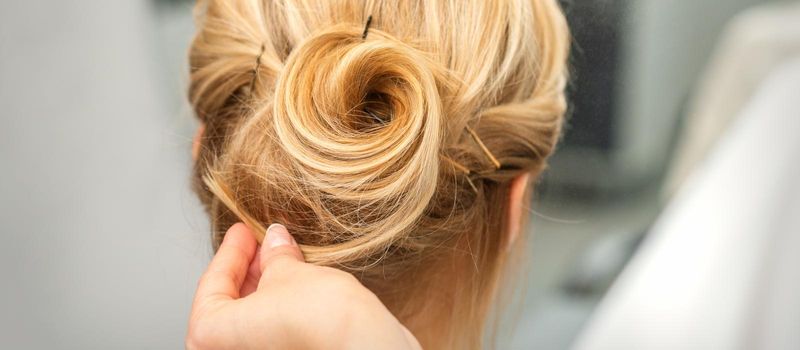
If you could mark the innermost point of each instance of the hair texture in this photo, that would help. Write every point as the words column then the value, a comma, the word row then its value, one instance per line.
column 364, row 147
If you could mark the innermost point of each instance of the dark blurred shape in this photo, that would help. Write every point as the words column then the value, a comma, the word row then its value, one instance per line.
column 596, row 27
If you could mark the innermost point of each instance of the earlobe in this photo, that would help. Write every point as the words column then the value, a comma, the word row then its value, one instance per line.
column 516, row 196
column 198, row 135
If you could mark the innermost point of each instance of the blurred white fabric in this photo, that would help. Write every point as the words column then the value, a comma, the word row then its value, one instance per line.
column 720, row 268
column 752, row 45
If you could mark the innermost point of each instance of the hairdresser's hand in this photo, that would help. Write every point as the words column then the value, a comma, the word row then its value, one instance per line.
column 272, row 299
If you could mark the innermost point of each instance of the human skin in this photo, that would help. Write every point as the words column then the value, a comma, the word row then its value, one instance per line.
column 267, row 297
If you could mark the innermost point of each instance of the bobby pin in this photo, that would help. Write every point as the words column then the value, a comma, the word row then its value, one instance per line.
column 369, row 21
column 465, row 170
column 456, row 165
column 366, row 28
column 483, row 147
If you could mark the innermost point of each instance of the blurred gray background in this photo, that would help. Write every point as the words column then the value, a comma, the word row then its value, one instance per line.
column 103, row 240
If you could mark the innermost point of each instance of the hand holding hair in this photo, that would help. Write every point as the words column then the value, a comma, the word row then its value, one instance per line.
column 269, row 298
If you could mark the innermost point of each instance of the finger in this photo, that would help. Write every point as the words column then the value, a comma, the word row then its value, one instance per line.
column 228, row 268
column 253, row 275
column 278, row 249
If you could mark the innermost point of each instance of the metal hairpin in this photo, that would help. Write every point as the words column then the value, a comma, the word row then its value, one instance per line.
column 484, row 148
column 366, row 28
column 456, row 165
column 463, row 169
column 467, row 173
column 364, row 37
column 255, row 71
column 369, row 20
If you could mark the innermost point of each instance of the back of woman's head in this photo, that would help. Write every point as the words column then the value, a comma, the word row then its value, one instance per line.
column 389, row 151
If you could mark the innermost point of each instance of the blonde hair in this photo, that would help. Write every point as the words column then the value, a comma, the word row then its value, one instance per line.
column 389, row 155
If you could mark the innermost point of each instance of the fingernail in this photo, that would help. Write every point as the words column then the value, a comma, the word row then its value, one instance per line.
column 277, row 236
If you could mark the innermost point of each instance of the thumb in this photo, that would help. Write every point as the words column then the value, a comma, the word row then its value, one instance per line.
column 277, row 249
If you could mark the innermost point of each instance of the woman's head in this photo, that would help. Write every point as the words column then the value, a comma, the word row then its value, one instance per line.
column 391, row 156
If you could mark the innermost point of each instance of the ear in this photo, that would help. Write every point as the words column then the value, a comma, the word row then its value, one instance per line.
column 516, row 196
column 196, row 141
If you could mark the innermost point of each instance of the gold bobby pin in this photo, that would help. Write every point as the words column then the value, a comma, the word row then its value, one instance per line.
column 483, row 147
column 456, row 164
column 463, row 169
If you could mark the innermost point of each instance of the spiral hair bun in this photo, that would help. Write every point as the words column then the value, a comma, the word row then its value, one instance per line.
column 361, row 121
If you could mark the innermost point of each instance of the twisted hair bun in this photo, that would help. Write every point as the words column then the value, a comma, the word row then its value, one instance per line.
column 355, row 132
column 361, row 121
